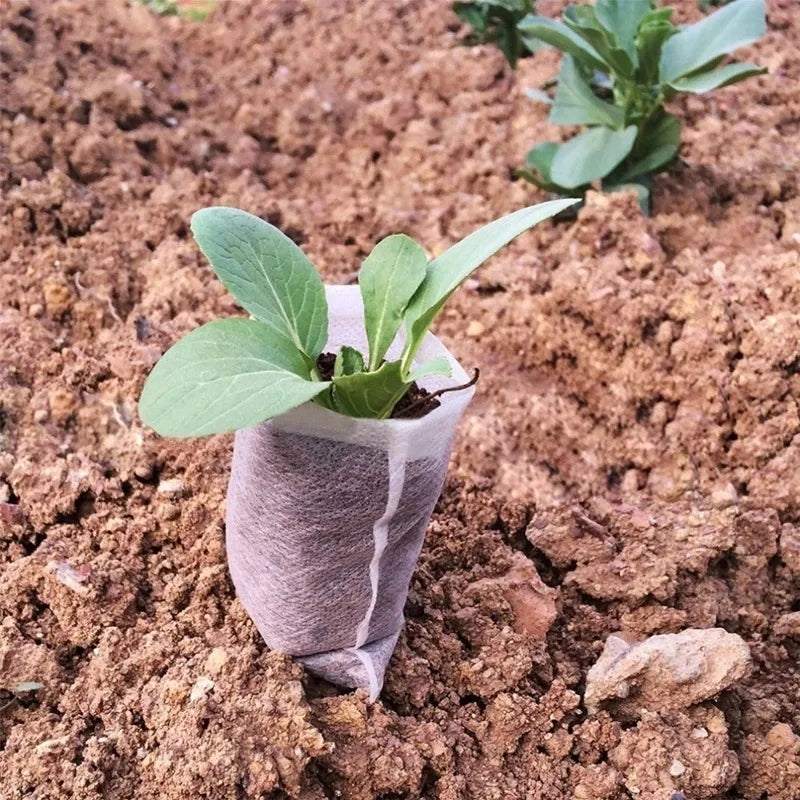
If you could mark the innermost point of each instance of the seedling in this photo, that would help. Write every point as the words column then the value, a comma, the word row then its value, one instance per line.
column 235, row 373
column 495, row 23
column 623, row 60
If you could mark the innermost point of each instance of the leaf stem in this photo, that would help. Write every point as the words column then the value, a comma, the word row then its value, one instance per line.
column 439, row 393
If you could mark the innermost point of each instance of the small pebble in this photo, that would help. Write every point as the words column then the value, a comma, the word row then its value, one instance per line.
column 203, row 685
column 699, row 733
column 144, row 472
column 216, row 660
column 724, row 496
column 74, row 579
column 171, row 486
column 475, row 329
column 676, row 769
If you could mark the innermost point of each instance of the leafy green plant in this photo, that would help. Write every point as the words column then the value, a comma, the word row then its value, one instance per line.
column 197, row 11
column 623, row 60
column 495, row 22
column 235, row 373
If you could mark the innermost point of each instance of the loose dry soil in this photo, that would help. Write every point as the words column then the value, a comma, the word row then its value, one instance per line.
column 636, row 433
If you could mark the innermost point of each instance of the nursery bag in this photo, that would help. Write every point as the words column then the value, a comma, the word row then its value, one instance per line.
column 326, row 515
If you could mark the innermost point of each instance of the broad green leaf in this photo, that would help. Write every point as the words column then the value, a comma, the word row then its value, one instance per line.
column 735, row 25
column 348, row 362
column 653, row 162
column 446, row 273
column 591, row 155
column 584, row 22
column 724, row 76
column 541, row 157
column 576, row 104
column 438, row 365
column 533, row 45
column 226, row 375
column 389, row 276
column 622, row 18
column 558, row 35
column 370, row 394
column 659, row 144
column 653, row 32
column 267, row 273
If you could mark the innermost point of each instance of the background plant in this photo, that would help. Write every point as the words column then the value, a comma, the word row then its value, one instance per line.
column 623, row 60
column 495, row 23
column 234, row 373
column 197, row 10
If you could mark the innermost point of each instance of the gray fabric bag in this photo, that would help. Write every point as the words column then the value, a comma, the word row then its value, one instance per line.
column 326, row 515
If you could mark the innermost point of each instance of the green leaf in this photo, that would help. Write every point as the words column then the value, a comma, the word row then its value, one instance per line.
column 389, row 276
column 558, row 35
column 735, row 25
column 716, row 78
column 471, row 14
column 267, row 273
column 226, row 375
column 531, row 44
column 576, row 104
column 446, row 273
column 659, row 142
column 653, row 32
column 584, row 22
column 496, row 23
column 370, row 394
column 622, row 18
column 438, row 365
column 541, row 157
column 348, row 362
column 591, row 155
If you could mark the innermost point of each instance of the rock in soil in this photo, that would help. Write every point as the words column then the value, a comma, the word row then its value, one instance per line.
column 665, row 673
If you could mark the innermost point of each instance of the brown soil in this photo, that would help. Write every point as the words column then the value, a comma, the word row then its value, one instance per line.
column 639, row 374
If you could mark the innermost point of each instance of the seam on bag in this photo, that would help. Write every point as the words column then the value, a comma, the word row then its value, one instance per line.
column 397, row 453
column 372, row 677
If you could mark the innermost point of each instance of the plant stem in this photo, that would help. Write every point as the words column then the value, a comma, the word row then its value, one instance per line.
column 440, row 392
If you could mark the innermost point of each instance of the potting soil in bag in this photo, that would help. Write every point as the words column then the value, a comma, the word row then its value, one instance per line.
column 326, row 516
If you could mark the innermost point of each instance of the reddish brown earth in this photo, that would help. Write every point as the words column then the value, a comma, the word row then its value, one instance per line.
column 635, row 437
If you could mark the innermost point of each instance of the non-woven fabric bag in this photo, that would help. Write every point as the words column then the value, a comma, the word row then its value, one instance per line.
column 326, row 515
